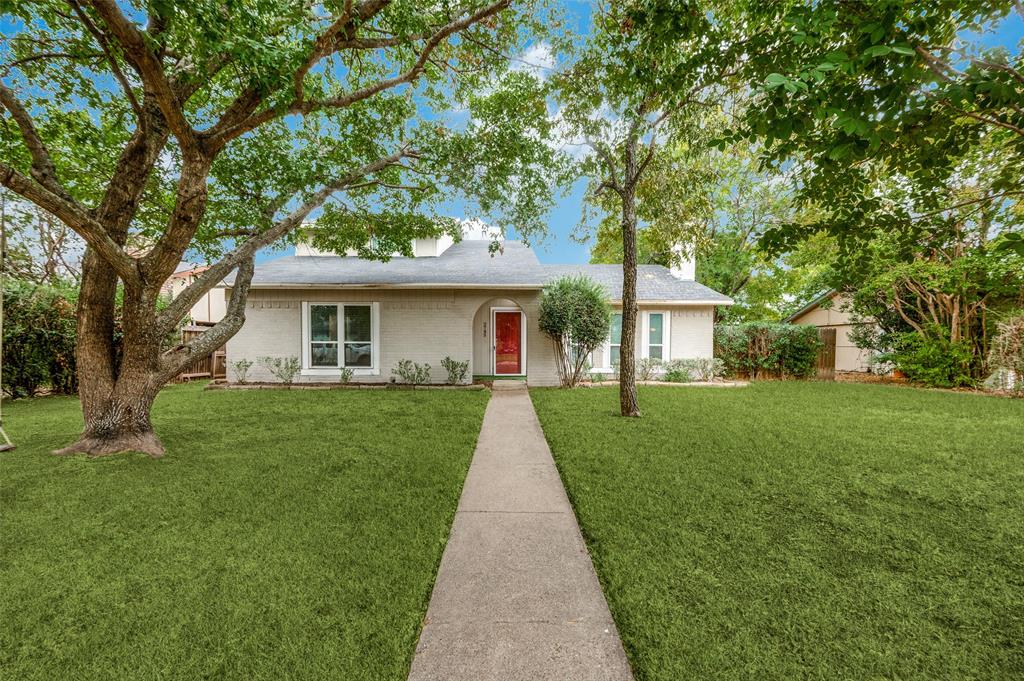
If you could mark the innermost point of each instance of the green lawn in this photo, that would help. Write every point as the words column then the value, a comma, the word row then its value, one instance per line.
column 286, row 535
column 802, row 530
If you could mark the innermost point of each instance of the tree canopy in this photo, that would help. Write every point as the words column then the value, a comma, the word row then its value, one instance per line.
column 157, row 129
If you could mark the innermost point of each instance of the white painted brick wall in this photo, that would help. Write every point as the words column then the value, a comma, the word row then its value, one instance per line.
column 420, row 325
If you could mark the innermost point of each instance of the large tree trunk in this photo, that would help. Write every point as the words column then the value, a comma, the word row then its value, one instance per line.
column 120, row 422
column 117, row 396
column 628, row 402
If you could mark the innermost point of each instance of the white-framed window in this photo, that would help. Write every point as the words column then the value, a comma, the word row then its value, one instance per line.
column 615, row 339
column 654, row 334
column 336, row 335
column 654, row 337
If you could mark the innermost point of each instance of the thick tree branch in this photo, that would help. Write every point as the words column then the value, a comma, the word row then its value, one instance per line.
column 177, row 359
column 189, row 207
column 43, row 170
column 150, row 68
column 611, row 175
column 342, row 28
column 75, row 217
column 221, row 134
column 216, row 273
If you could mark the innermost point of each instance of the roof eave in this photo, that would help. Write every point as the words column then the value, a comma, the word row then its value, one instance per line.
column 416, row 285
column 678, row 302
column 810, row 306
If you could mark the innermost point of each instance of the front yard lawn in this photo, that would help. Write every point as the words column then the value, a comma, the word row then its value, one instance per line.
column 802, row 530
column 286, row 535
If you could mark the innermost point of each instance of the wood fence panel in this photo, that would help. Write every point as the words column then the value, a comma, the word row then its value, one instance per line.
column 827, row 354
column 213, row 365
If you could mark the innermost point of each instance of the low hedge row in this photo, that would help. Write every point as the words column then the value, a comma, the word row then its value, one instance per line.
column 768, row 350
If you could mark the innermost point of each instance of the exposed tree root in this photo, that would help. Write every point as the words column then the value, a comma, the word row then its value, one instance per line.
column 147, row 443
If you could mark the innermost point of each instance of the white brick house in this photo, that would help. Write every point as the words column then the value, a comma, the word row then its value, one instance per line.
column 454, row 300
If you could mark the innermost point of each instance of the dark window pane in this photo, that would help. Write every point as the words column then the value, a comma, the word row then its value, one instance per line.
column 654, row 352
column 357, row 355
column 615, row 355
column 357, row 323
column 323, row 322
column 324, row 355
column 616, row 328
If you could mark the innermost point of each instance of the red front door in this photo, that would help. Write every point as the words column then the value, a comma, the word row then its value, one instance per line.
column 508, row 352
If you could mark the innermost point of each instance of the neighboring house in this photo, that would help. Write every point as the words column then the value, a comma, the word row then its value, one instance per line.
column 827, row 311
column 209, row 309
column 454, row 300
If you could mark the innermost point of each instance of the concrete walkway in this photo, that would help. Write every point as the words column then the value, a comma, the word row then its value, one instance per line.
column 516, row 596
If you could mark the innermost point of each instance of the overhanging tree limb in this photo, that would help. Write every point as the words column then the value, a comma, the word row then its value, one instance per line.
column 178, row 358
column 43, row 169
column 222, row 133
column 75, row 217
column 216, row 273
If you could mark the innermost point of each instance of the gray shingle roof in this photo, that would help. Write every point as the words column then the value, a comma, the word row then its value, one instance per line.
column 469, row 264
column 653, row 282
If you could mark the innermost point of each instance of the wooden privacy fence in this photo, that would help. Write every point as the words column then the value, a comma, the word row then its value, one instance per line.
column 827, row 354
column 213, row 365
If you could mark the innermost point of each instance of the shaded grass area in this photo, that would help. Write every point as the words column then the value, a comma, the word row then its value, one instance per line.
column 286, row 535
column 802, row 530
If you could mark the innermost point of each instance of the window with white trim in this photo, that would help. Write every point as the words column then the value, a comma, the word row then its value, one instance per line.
column 615, row 339
column 337, row 335
column 656, row 335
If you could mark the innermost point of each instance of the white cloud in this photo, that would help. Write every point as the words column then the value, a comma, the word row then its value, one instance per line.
column 539, row 60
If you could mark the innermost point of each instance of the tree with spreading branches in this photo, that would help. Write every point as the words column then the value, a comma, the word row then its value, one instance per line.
column 638, row 88
column 157, row 130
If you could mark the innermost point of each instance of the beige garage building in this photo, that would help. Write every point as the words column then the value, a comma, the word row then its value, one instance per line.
column 827, row 312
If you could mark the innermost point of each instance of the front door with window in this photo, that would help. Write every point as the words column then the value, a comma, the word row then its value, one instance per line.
column 508, row 351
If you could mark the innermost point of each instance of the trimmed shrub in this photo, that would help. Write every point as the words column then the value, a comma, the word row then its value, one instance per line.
column 457, row 371
column 768, row 350
column 411, row 373
column 677, row 371
column 346, row 375
column 241, row 369
column 284, row 369
column 575, row 315
column 704, row 369
column 646, row 368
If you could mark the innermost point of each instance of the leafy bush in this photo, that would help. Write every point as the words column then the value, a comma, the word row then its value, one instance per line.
column 761, row 349
column 457, row 371
column 677, row 371
column 646, row 368
column 575, row 315
column 241, row 369
column 937, row 362
column 39, row 339
column 704, row 368
column 1006, row 354
column 284, row 369
column 346, row 375
column 412, row 373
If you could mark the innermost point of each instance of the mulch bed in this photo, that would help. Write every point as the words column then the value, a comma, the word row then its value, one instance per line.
column 224, row 385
